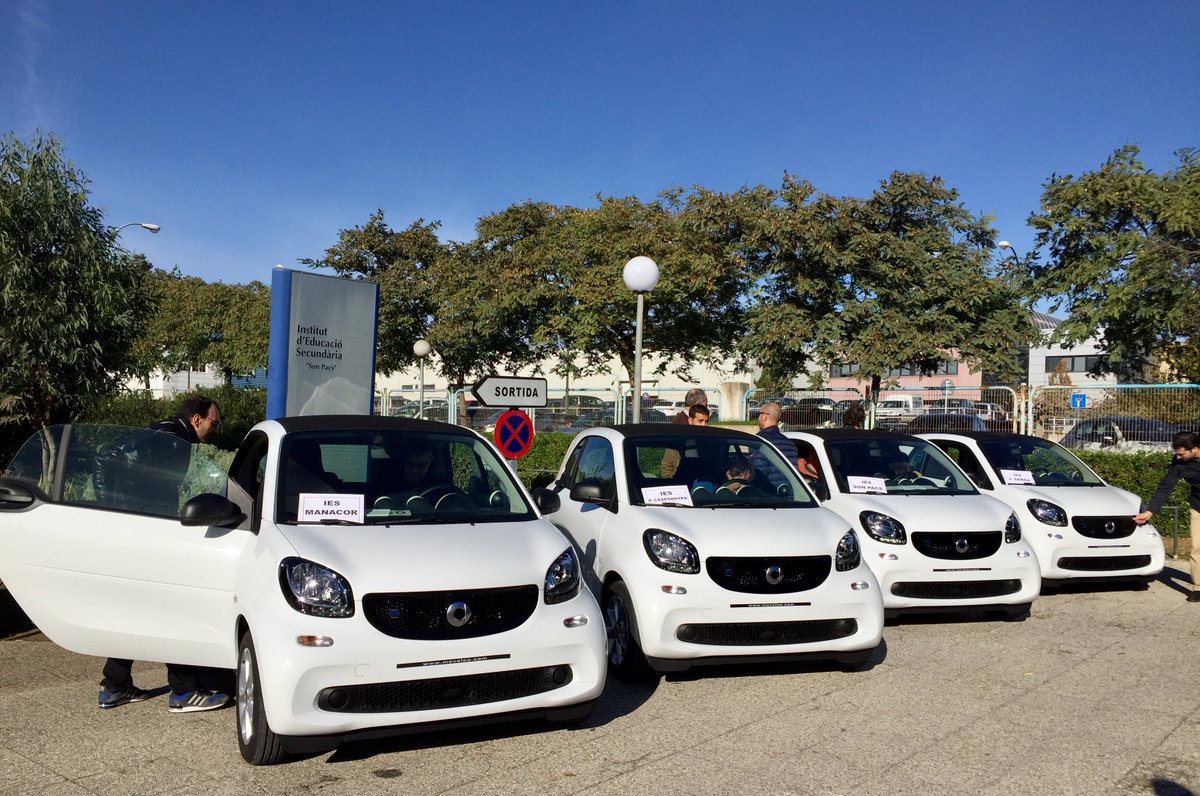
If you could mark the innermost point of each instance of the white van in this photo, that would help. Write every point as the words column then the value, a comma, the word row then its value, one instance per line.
column 898, row 409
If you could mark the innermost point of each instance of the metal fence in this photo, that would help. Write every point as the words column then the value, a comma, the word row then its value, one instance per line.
column 1119, row 417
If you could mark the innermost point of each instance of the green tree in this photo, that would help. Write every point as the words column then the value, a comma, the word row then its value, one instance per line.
column 898, row 278
column 72, row 302
column 571, row 270
column 1122, row 247
column 199, row 323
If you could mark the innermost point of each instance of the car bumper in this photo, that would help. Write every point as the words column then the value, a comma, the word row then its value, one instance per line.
column 913, row 581
column 369, row 681
column 1072, row 556
column 712, row 624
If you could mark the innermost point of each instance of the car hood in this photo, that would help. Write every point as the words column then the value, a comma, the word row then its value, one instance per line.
column 744, row 532
column 379, row 558
column 928, row 512
column 1092, row 501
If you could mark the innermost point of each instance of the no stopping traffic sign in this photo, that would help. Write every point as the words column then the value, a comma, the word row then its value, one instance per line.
column 513, row 434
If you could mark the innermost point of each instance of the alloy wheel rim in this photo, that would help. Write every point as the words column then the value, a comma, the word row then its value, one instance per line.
column 618, row 630
column 245, row 697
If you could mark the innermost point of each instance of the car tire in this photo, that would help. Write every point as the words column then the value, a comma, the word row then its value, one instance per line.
column 1017, row 613
column 258, row 743
column 625, row 658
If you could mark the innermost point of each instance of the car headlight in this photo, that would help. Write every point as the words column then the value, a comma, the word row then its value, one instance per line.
column 670, row 552
column 1047, row 513
column 315, row 590
column 883, row 528
column 849, row 554
column 1012, row 529
column 562, row 578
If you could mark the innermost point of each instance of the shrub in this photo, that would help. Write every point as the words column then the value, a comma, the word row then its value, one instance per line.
column 240, row 409
column 544, row 457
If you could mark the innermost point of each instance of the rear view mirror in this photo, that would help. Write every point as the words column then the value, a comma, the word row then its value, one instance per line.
column 547, row 502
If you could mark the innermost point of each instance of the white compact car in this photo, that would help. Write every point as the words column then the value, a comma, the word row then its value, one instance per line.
column 932, row 539
column 708, row 549
column 1079, row 526
column 364, row 575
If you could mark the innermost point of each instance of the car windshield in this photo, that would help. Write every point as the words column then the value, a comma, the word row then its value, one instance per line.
column 884, row 465
column 119, row 468
column 1031, row 461
column 394, row 476
column 711, row 471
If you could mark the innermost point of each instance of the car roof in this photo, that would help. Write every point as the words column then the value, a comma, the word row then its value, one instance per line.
column 366, row 423
column 978, row 435
column 671, row 430
column 853, row 433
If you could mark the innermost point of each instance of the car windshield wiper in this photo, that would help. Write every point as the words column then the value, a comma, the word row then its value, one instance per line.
column 413, row 519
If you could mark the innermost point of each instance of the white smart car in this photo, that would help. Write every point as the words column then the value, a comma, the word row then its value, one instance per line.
column 363, row 575
column 707, row 548
column 932, row 539
column 1079, row 526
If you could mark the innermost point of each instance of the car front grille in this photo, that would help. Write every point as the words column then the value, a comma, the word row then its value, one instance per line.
column 768, row 575
column 957, row 545
column 955, row 589
column 443, row 692
column 758, row 634
column 428, row 616
column 1104, row 527
column 1103, row 563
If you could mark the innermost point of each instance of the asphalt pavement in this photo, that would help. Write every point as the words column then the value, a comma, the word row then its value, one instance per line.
column 1095, row 693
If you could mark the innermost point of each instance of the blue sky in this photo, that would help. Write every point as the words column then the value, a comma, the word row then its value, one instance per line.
column 253, row 131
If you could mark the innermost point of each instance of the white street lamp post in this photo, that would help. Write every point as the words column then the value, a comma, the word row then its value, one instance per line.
column 641, row 275
column 142, row 224
column 1006, row 245
column 422, row 348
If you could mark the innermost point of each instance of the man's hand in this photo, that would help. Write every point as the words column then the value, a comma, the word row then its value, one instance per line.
column 1143, row 518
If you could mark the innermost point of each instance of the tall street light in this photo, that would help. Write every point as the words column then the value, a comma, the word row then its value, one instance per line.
column 641, row 275
column 1006, row 245
column 144, row 225
column 422, row 348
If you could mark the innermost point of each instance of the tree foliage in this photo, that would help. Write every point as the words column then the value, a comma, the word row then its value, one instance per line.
column 71, row 301
column 898, row 278
column 201, row 323
column 1122, row 247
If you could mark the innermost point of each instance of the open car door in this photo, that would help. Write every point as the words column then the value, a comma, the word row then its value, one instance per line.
column 94, row 553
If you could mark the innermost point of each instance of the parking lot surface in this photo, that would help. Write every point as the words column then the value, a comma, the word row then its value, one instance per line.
column 1094, row 693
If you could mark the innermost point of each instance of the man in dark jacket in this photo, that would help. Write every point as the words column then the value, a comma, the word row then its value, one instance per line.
column 198, row 418
column 1186, row 467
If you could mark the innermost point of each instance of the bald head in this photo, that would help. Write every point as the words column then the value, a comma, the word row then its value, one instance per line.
column 769, row 414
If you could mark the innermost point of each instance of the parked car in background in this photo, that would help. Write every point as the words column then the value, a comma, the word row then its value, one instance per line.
column 707, row 548
column 933, row 540
column 992, row 413
column 818, row 412
column 348, row 602
column 1079, row 526
column 945, row 421
column 896, row 411
column 1120, row 433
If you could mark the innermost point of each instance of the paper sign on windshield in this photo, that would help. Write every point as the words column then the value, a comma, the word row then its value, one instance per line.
column 317, row 507
column 656, row 495
column 866, row 485
column 1017, row 477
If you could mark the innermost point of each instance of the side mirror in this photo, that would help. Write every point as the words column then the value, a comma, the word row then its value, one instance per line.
column 209, row 510
column 547, row 502
column 17, row 495
column 592, row 492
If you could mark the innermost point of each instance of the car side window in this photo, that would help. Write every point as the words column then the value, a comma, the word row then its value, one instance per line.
column 247, row 474
column 965, row 458
column 597, row 465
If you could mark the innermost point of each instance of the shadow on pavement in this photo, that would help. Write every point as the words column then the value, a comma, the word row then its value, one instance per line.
column 13, row 620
